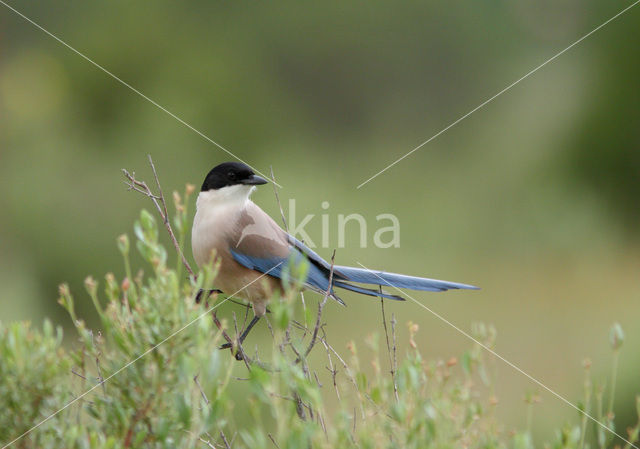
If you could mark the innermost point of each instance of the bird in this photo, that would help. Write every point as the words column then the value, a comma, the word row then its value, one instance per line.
column 255, row 254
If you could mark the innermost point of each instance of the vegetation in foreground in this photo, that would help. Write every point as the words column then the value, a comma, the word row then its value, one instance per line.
column 151, row 377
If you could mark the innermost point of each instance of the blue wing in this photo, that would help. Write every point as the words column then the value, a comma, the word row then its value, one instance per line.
column 280, row 267
column 276, row 253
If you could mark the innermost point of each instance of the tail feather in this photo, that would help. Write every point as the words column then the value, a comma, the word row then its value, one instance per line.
column 382, row 278
column 367, row 291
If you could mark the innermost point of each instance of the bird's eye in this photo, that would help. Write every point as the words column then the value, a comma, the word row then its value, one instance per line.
column 231, row 175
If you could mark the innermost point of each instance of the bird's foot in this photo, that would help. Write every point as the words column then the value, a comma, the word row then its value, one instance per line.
column 238, row 353
column 200, row 294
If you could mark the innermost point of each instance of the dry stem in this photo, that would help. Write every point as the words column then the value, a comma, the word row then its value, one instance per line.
column 160, row 204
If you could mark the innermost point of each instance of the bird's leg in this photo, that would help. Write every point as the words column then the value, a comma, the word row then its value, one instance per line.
column 239, row 353
column 209, row 293
column 244, row 333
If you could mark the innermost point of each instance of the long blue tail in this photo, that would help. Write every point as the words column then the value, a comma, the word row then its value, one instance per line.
column 364, row 276
column 367, row 291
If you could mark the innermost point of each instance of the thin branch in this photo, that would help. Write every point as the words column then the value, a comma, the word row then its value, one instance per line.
column 204, row 396
column 286, row 228
column 221, row 329
column 246, row 316
column 342, row 362
column 304, row 311
column 240, row 354
column 391, row 358
column 273, row 334
column 224, row 440
column 355, row 420
column 299, row 406
column 162, row 201
column 275, row 190
column 160, row 204
column 207, row 442
column 273, row 440
column 78, row 374
column 324, row 428
column 321, row 304
column 332, row 370
column 395, row 358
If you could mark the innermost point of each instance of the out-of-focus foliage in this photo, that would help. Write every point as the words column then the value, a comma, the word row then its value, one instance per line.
column 34, row 376
column 150, row 376
column 605, row 143
column 524, row 198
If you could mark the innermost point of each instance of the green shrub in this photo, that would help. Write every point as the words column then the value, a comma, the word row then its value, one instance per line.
column 151, row 377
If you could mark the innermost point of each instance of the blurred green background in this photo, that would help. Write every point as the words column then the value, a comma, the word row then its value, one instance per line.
column 534, row 197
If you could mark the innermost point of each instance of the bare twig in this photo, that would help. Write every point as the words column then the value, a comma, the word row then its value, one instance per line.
column 246, row 316
column 273, row 440
column 160, row 204
column 235, row 325
column 224, row 440
column 221, row 329
column 311, row 412
column 391, row 358
column 269, row 326
column 275, row 190
column 324, row 428
column 355, row 420
column 342, row 362
column 210, row 444
column 165, row 214
column 78, row 374
column 331, row 350
column 240, row 354
column 207, row 442
column 321, row 304
column 287, row 339
column 83, row 400
column 286, row 228
column 331, row 369
column 204, row 396
column 299, row 406
column 230, row 343
column 384, row 324
column 395, row 359
column 304, row 312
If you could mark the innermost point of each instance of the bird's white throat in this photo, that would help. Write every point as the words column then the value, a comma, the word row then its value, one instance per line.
column 230, row 196
column 215, row 219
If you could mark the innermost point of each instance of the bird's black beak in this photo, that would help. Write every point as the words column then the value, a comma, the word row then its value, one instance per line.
column 254, row 180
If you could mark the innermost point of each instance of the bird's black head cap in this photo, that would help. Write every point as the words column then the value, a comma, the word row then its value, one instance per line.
column 230, row 174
